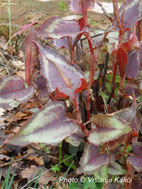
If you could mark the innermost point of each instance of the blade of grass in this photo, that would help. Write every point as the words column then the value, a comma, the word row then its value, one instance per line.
column 60, row 158
column 38, row 176
column 6, row 181
column 11, row 180
column 9, row 17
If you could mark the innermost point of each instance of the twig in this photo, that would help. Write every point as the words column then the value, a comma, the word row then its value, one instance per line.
column 44, row 172
column 43, row 153
column 16, row 160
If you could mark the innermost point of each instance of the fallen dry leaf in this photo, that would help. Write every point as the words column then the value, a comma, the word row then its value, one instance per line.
column 3, row 41
column 30, row 172
column 47, row 177
column 38, row 160
column 4, row 157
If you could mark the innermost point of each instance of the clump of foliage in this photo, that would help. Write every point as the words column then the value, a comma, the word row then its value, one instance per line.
column 80, row 99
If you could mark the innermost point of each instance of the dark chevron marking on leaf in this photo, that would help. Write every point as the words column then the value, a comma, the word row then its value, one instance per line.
column 56, row 27
column 62, row 76
column 13, row 91
column 108, row 128
column 92, row 160
column 75, row 5
column 49, row 125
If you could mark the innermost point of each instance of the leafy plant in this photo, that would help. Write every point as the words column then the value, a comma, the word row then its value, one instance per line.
column 63, row 6
column 59, row 85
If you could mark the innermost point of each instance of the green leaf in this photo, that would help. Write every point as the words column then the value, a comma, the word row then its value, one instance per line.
column 73, row 186
column 116, row 169
column 67, row 161
column 55, row 168
column 88, row 184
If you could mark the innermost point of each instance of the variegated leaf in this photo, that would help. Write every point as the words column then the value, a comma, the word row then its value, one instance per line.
column 92, row 160
column 56, row 27
column 116, row 169
column 63, row 77
column 108, row 128
column 136, row 158
column 76, row 5
column 127, row 114
column 13, row 91
column 49, row 125
column 130, row 13
column 76, row 139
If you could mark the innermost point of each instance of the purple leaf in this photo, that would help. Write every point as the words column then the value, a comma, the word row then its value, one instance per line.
column 136, row 159
column 13, row 91
column 76, row 6
column 131, row 88
column 63, row 42
column 131, row 13
column 63, row 77
column 136, row 183
column 137, row 149
column 30, row 52
column 42, row 89
column 76, row 138
column 127, row 114
column 114, row 186
column 130, row 115
column 49, row 125
column 136, row 162
column 25, row 27
column 108, row 128
column 56, row 27
column 92, row 160
column 133, row 66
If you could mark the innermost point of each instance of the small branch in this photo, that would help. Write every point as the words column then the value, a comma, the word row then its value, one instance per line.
column 111, row 94
column 105, row 71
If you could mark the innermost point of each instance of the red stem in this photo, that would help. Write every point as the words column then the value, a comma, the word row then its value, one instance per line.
column 78, row 116
column 84, row 11
column 92, row 73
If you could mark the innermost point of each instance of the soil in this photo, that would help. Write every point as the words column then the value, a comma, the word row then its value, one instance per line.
column 26, row 11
